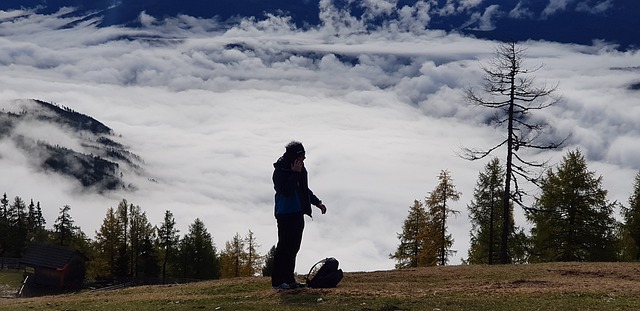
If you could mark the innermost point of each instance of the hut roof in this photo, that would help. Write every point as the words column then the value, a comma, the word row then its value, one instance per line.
column 48, row 256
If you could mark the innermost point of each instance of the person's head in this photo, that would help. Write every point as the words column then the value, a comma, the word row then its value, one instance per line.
column 294, row 150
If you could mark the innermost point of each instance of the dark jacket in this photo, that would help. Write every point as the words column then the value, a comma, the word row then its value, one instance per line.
column 292, row 189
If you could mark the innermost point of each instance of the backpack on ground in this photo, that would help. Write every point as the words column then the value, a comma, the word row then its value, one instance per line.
column 324, row 274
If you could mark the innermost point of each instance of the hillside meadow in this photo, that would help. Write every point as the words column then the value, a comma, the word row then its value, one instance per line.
column 550, row 286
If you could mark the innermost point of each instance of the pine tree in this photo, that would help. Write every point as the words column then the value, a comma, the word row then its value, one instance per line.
column 198, row 257
column 168, row 240
column 631, row 224
column 122, row 259
column 31, row 217
column 40, row 232
column 438, row 210
column 35, row 222
column 17, row 227
column 4, row 225
column 140, row 231
column 149, row 265
column 64, row 228
column 485, row 212
column 573, row 221
column 416, row 249
column 267, row 269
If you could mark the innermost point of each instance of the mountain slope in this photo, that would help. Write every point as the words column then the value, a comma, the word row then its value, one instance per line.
column 59, row 140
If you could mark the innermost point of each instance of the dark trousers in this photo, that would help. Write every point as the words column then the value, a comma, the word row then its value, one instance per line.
column 290, row 229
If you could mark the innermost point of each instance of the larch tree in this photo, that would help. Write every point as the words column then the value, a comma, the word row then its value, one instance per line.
column 631, row 224
column 438, row 210
column 573, row 220
column 108, row 241
column 254, row 259
column 417, row 246
column 233, row 258
column 485, row 213
column 509, row 89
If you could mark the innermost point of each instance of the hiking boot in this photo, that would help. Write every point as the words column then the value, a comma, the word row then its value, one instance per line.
column 297, row 285
column 283, row 286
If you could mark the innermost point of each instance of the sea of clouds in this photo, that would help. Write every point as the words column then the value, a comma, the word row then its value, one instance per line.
column 380, row 112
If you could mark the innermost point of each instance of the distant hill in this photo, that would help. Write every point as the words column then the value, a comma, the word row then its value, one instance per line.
column 577, row 21
column 59, row 140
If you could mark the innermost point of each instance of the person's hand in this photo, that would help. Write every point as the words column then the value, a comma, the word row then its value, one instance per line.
column 297, row 165
column 322, row 208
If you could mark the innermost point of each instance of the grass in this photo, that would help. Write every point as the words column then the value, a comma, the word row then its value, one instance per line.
column 10, row 281
column 553, row 286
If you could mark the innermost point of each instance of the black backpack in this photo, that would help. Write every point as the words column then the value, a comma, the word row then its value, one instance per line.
column 324, row 274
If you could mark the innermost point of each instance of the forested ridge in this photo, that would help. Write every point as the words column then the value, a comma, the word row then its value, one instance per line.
column 101, row 163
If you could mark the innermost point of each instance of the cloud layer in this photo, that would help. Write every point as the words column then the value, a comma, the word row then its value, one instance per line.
column 380, row 113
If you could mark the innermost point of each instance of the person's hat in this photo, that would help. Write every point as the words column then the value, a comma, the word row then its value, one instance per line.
column 295, row 148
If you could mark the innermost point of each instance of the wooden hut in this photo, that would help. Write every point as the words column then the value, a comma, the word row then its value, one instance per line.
column 54, row 267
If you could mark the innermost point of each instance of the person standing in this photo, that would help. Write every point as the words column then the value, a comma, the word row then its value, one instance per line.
column 293, row 200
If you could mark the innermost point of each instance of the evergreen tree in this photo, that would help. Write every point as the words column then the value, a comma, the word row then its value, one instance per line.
column 4, row 225
column 485, row 212
column 267, row 269
column 573, row 220
column 168, row 240
column 40, row 232
column 438, row 210
column 108, row 241
column 417, row 247
column 149, row 265
column 122, row 259
column 509, row 89
column 17, row 227
column 631, row 224
column 198, row 257
column 35, row 223
column 31, row 217
column 140, row 231
column 64, row 228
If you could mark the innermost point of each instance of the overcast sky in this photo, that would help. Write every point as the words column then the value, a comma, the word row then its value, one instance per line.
column 380, row 113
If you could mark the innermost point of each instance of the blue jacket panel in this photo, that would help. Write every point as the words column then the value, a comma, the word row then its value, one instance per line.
column 292, row 192
column 287, row 204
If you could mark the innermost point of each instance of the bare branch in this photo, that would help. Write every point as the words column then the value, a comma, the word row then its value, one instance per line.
column 474, row 154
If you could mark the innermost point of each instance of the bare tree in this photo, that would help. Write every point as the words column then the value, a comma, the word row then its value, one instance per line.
column 509, row 89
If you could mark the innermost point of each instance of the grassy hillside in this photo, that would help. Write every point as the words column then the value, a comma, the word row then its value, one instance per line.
column 554, row 286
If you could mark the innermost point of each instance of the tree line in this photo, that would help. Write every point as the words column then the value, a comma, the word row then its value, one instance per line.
column 571, row 220
column 127, row 246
